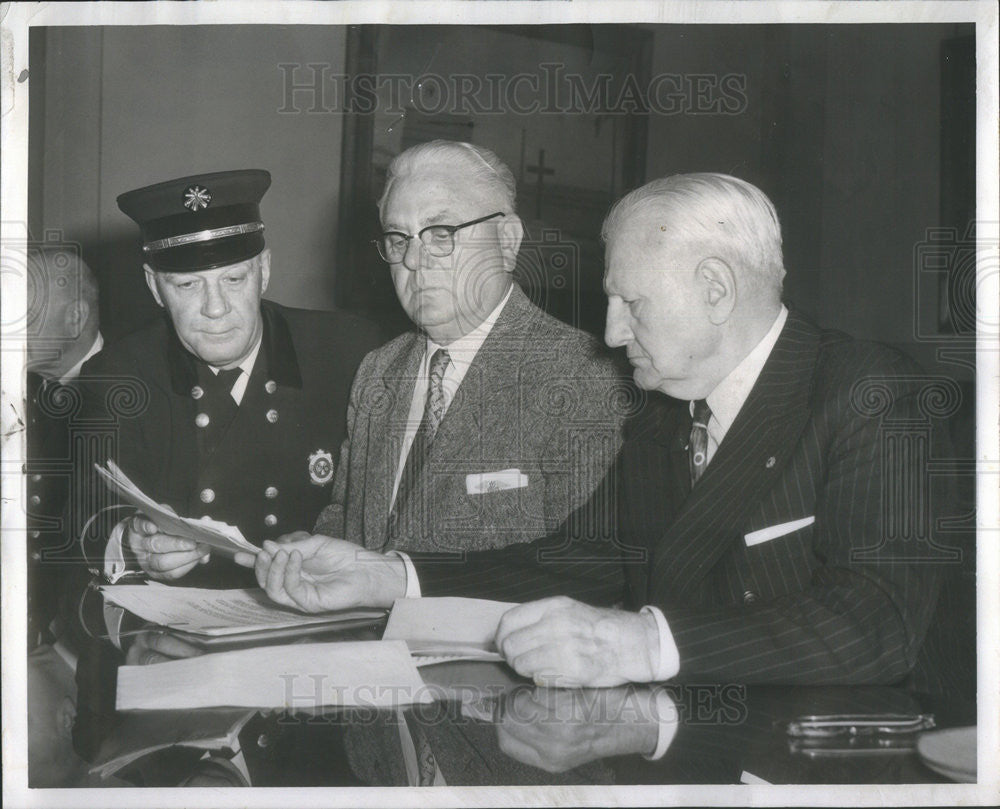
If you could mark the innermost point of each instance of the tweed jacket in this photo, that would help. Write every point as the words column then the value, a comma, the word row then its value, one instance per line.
column 805, row 554
column 530, row 433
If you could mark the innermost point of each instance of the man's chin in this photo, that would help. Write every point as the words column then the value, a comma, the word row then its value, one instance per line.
column 220, row 355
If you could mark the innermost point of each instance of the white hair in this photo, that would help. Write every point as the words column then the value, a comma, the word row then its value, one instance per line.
column 733, row 219
column 484, row 169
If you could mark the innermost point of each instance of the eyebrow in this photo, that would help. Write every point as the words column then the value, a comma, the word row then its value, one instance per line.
column 437, row 218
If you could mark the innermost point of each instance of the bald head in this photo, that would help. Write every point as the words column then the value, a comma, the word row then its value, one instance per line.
column 485, row 176
column 62, row 309
column 714, row 215
column 693, row 275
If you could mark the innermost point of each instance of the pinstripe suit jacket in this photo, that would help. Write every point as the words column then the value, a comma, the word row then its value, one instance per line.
column 835, row 601
column 540, row 397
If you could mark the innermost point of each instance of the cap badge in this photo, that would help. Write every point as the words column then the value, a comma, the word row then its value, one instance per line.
column 320, row 467
column 196, row 197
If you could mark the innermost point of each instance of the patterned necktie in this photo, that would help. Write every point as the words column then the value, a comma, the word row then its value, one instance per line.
column 434, row 409
column 698, row 442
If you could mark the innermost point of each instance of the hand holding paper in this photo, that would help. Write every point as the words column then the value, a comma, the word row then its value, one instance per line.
column 318, row 573
column 162, row 555
column 170, row 527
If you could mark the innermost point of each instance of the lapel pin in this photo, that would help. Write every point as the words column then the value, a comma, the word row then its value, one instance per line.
column 770, row 462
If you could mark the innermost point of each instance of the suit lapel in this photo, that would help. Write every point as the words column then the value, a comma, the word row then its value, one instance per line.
column 386, row 434
column 494, row 369
column 752, row 455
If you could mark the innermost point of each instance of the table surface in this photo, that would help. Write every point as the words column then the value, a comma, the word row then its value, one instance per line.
column 491, row 728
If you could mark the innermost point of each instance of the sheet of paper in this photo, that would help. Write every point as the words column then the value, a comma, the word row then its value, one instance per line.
column 299, row 676
column 219, row 536
column 462, row 627
column 218, row 612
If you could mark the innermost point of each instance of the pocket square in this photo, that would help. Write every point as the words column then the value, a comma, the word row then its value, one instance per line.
column 775, row 531
column 485, row 482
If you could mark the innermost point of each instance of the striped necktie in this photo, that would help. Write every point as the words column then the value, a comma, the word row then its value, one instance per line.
column 698, row 442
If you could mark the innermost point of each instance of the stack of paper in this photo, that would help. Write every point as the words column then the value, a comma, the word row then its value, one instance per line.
column 208, row 616
column 440, row 630
column 366, row 674
column 219, row 536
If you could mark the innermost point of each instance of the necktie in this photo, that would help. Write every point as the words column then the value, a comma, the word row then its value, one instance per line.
column 434, row 409
column 698, row 442
column 224, row 381
column 217, row 403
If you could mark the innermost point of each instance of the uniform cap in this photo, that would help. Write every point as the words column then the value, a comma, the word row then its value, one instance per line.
column 199, row 222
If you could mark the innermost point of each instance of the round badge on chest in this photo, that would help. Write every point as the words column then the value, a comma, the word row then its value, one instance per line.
column 320, row 467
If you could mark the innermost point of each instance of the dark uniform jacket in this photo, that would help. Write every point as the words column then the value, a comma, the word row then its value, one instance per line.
column 52, row 407
column 805, row 554
column 268, row 472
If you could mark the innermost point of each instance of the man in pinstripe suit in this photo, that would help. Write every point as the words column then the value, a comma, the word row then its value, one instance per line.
column 753, row 495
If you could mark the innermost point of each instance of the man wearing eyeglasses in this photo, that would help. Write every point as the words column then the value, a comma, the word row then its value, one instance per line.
column 491, row 421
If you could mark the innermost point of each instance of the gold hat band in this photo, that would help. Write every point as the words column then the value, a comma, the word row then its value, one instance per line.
column 202, row 236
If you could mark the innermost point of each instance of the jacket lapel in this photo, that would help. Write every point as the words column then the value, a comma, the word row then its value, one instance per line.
column 752, row 455
column 385, row 435
column 494, row 369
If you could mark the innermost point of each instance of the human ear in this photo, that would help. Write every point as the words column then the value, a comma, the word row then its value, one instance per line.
column 718, row 283
column 265, row 269
column 151, row 283
column 510, row 232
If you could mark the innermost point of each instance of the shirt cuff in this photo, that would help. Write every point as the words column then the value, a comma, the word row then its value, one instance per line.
column 412, row 582
column 667, row 722
column 669, row 663
column 115, row 565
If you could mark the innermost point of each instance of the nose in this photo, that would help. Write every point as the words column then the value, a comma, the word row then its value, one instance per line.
column 215, row 304
column 414, row 255
column 617, row 331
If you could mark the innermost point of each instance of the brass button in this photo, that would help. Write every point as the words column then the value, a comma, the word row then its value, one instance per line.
column 35, row 478
column 272, row 415
column 197, row 392
column 749, row 597
column 270, row 492
column 270, row 520
column 207, row 495
column 270, row 386
column 202, row 419
column 36, row 534
column 770, row 462
column 263, row 741
column 35, row 499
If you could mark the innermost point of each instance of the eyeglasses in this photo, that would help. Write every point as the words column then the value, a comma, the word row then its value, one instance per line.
column 438, row 240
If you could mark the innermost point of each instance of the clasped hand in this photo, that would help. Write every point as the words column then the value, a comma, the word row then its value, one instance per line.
column 558, row 729
column 565, row 643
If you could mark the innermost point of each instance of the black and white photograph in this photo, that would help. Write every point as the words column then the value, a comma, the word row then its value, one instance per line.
column 545, row 402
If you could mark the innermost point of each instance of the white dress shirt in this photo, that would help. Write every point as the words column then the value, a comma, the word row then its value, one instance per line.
column 725, row 402
column 246, row 368
column 461, row 352
column 74, row 372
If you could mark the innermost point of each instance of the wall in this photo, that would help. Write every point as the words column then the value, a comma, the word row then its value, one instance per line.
column 125, row 107
column 842, row 129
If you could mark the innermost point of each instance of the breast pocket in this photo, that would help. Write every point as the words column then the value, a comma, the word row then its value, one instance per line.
column 775, row 560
